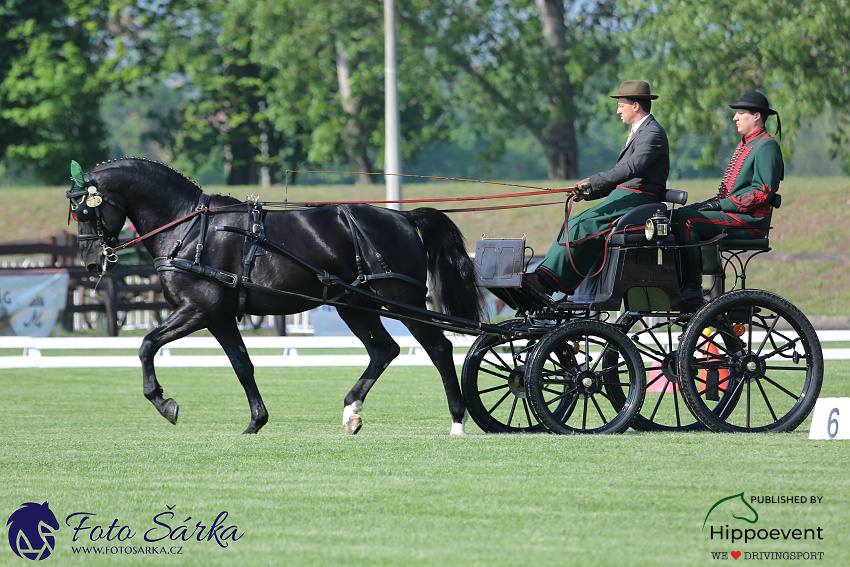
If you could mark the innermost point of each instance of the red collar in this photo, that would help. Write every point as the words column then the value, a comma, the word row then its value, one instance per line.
column 753, row 135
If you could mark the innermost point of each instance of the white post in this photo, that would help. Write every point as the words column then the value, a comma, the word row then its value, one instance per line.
column 392, row 153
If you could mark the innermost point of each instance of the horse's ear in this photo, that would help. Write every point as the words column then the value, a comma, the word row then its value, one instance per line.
column 77, row 174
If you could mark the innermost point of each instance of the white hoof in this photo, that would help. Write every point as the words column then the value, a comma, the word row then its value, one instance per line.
column 458, row 429
column 351, row 421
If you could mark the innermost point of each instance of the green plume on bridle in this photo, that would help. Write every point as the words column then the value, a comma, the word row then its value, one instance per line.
column 77, row 174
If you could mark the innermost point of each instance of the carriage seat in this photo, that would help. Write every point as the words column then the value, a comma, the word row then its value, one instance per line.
column 629, row 227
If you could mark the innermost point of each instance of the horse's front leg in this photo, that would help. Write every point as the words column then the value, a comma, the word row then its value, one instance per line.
column 227, row 335
column 180, row 323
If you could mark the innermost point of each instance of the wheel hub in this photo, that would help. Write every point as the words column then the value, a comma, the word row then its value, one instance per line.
column 588, row 383
column 752, row 366
column 670, row 367
column 516, row 381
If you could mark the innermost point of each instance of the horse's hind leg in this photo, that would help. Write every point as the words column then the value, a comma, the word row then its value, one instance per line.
column 440, row 350
column 181, row 322
column 382, row 349
column 227, row 334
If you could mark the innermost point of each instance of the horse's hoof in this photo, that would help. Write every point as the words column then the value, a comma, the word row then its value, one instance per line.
column 352, row 426
column 457, row 430
column 251, row 430
column 169, row 410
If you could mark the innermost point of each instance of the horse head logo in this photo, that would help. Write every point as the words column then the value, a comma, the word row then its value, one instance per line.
column 31, row 530
column 734, row 505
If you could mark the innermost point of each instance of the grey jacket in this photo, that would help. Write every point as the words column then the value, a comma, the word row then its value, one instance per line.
column 644, row 163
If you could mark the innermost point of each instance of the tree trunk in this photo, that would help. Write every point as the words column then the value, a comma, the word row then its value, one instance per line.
column 561, row 150
column 558, row 139
column 353, row 132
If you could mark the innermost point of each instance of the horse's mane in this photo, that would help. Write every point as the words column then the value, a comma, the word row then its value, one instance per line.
column 181, row 178
column 118, row 162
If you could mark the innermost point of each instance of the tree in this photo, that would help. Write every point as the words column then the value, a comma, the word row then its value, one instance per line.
column 328, row 87
column 51, row 85
column 514, row 64
column 707, row 54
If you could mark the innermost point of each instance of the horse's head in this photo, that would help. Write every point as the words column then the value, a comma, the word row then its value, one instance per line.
column 99, row 220
column 31, row 530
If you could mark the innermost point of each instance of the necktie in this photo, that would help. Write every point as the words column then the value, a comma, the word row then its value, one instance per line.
column 626, row 143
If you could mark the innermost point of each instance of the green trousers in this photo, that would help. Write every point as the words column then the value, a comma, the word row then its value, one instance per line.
column 594, row 220
column 695, row 226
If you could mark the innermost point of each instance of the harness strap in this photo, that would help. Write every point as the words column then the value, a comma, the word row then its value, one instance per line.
column 250, row 250
column 181, row 264
column 202, row 208
column 362, row 276
column 231, row 280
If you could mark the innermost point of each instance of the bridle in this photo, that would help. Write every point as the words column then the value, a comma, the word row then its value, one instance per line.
column 85, row 202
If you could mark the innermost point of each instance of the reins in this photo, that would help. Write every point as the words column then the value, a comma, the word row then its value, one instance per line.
column 372, row 202
column 172, row 223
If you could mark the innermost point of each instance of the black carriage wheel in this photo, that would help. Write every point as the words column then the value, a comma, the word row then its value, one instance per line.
column 570, row 373
column 663, row 407
column 759, row 349
column 493, row 384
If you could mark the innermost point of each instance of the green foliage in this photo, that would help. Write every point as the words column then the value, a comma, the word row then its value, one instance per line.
column 230, row 89
column 50, row 86
column 705, row 55
column 514, row 65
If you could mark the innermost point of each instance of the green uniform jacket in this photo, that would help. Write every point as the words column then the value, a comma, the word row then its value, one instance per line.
column 745, row 194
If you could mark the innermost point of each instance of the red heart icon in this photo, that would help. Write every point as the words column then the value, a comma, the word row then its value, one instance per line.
column 736, row 554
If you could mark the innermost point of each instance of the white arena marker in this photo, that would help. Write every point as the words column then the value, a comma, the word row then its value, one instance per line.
column 831, row 419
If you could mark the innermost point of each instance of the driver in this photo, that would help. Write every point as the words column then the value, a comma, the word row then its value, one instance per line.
column 639, row 177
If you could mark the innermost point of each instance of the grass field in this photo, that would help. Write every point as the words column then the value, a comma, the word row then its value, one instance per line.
column 399, row 493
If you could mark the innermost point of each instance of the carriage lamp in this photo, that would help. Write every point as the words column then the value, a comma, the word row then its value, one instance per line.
column 658, row 225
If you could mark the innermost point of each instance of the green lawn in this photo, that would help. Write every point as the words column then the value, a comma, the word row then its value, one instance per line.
column 401, row 492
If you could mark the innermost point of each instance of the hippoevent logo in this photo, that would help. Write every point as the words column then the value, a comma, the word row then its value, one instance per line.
column 732, row 505
column 732, row 520
column 31, row 530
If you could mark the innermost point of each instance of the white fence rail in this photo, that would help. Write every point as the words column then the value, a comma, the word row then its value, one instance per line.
column 290, row 352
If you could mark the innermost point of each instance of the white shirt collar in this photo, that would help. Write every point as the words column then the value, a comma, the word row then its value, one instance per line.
column 641, row 121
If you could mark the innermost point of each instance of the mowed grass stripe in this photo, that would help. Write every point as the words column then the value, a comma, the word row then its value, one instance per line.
column 399, row 493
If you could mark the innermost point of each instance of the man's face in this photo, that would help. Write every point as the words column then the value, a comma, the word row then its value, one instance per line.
column 627, row 111
column 746, row 121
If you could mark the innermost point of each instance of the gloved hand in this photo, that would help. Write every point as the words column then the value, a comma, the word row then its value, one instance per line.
column 710, row 205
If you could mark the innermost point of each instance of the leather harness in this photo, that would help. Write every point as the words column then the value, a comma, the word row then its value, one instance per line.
column 253, row 247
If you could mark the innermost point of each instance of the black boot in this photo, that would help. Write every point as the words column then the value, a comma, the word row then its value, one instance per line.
column 691, row 266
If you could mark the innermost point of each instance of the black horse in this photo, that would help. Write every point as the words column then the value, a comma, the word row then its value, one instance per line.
column 211, row 277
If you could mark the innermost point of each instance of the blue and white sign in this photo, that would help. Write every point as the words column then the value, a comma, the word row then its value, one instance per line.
column 31, row 304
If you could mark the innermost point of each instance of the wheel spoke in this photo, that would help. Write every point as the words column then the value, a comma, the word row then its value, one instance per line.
column 598, row 410
column 584, row 415
column 493, row 389
column 766, row 401
column 511, row 414
column 567, row 410
column 781, row 388
column 497, row 404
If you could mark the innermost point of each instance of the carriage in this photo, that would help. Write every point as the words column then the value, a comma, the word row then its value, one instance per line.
column 744, row 361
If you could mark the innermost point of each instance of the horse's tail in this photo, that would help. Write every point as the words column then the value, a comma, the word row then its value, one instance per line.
column 451, row 268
